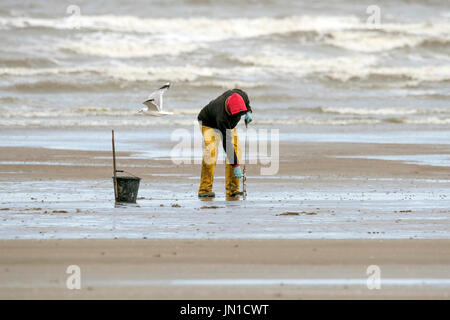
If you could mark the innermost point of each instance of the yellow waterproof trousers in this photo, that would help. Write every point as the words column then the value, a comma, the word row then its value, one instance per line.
column 212, row 140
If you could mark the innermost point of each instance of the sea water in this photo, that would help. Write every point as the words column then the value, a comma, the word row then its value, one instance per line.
column 318, row 63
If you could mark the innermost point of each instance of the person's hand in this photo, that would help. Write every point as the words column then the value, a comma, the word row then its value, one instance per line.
column 248, row 117
column 237, row 172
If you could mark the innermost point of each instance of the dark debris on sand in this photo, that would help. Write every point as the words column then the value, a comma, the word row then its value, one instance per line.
column 211, row 207
column 294, row 213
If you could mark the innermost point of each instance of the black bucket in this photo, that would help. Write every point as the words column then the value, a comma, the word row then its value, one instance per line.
column 127, row 189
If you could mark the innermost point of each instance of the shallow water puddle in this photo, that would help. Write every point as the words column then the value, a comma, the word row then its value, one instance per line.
column 440, row 160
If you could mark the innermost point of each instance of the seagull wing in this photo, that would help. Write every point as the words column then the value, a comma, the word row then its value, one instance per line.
column 154, row 103
column 151, row 105
column 165, row 87
column 160, row 91
column 158, row 94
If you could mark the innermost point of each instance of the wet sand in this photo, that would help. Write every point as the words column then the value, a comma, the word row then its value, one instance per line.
column 224, row 269
column 51, row 194
column 350, row 213
column 319, row 160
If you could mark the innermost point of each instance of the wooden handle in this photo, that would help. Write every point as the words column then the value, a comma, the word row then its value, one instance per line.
column 114, row 166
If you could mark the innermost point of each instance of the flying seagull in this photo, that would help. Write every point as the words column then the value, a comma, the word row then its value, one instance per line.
column 154, row 108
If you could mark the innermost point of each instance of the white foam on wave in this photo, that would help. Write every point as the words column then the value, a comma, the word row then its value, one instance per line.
column 124, row 72
column 425, row 29
column 432, row 73
column 115, row 45
column 389, row 36
column 127, row 50
column 190, row 29
column 344, row 68
column 428, row 120
column 121, row 74
column 222, row 27
column 369, row 41
column 183, row 34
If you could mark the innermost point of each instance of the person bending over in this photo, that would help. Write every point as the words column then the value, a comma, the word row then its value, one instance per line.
column 218, row 121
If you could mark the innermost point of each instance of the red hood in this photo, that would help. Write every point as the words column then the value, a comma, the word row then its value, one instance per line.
column 235, row 104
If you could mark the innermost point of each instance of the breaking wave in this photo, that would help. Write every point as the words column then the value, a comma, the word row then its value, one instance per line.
column 127, row 73
column 111, row 35
column 94, row 78
column 297, row 58
column 199, row 29
column 429, row 120
column 342, row 68
column 390, row 37
column 345, row 68
column 115, row 45
column 134, row 73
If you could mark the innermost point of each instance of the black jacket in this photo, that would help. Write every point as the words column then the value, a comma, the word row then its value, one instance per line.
column 213, row 115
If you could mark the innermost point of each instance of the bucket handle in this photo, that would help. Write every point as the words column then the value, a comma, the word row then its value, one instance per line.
column 127, row 172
